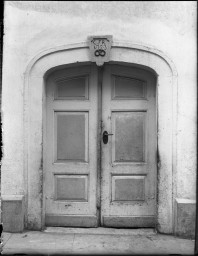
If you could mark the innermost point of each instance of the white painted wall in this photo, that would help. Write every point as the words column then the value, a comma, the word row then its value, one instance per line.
column 35, row 26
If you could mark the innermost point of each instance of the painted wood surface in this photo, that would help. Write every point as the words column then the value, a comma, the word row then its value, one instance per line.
column 129, row 159
column 71, row 147
column 122, row 192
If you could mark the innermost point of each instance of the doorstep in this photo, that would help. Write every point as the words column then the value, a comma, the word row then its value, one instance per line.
column 102, row 231
column 67, row 241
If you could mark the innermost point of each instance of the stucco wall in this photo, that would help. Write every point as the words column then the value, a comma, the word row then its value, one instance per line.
column 32, row 27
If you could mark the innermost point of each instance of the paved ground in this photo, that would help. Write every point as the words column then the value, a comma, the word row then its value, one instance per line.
column 95, row 241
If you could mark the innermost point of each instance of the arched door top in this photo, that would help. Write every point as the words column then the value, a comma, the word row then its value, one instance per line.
column 115, row 45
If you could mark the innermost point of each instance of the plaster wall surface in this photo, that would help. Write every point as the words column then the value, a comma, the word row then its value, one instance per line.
column 32, row 27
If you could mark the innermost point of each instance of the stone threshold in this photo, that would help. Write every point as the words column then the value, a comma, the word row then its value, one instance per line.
column 101, row 231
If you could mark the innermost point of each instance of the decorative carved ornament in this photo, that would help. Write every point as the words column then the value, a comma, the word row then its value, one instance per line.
column 100, row 47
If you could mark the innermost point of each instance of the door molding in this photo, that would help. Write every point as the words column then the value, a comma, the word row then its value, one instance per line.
column 34, row 102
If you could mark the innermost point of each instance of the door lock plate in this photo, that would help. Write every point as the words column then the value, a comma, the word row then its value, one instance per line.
column 105, row 136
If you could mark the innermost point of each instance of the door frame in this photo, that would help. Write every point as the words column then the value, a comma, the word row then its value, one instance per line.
column 34, row 109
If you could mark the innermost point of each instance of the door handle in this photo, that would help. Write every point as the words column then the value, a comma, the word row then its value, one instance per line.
column 105, row 136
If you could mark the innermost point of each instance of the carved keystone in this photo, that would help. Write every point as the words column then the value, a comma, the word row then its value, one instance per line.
column 100, row 47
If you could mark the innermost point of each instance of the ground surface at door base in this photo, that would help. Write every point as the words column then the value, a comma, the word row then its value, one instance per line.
column 53, row 243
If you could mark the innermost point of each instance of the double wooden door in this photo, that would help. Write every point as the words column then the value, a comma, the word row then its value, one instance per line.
column 100, row 147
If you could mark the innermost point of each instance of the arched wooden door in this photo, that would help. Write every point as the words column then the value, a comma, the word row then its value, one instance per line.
column 100, row 147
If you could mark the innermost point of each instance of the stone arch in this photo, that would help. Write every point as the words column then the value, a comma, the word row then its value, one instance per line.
column 121, row 52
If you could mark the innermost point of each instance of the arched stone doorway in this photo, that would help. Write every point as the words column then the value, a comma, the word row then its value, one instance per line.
column 34, row 102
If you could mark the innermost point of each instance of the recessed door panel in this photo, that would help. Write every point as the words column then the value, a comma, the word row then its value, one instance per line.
column 71, row 129
column 129, row 132
column 126, row 88
column 71, row 187
column 72, row 88
column 128, row 188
